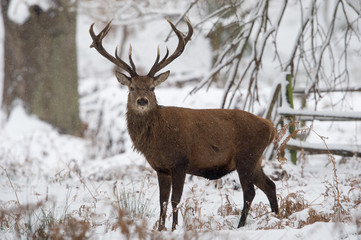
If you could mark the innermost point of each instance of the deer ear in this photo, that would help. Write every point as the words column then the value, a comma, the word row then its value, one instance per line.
column 161, row 78
column 123, row 79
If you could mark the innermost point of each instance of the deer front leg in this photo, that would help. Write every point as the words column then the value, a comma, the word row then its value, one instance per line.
column 178, row 177
column 164, row 182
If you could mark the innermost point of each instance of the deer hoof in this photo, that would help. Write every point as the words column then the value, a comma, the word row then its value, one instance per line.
column 174, row 226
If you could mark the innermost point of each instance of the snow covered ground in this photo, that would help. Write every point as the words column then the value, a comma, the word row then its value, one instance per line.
column 98, row 187
column 53, row 176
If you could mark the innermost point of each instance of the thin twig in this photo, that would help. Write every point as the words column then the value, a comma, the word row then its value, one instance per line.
column 11, row 184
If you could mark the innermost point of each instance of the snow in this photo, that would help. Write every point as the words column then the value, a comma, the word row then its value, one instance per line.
column 86, row 177
column 321, row 146
column 19, row 9
column 326, row 114
column 16, row 127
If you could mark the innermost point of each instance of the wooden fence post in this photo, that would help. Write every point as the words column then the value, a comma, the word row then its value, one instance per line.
column 291, row 129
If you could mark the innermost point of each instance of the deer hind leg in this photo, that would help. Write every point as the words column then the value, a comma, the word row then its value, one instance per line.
column 164, row 182
column 178, row 177
column 248, row 196
column 268, row 187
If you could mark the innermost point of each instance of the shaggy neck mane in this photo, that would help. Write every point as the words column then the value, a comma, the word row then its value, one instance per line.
column 141, row 126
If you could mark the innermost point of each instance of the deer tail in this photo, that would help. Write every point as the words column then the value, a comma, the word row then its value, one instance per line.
column 272, row 133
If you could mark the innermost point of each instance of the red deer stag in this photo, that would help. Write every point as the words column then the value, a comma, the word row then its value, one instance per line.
column 175, row 141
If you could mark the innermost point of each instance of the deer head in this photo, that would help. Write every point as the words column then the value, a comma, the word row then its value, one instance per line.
column 141, row 96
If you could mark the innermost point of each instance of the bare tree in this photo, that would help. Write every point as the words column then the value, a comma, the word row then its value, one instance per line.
column 320, row 55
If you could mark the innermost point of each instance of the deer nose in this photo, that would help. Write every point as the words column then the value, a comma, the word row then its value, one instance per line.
column 142, row 101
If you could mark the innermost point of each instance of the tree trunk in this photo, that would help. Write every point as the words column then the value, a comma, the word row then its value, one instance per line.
column 41, row 65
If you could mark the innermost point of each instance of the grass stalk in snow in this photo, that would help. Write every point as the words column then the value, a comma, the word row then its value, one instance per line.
column 40, row 220
column 76, row 171
column 280, row 152
column 132, row 202
column 331, row 158
column 11, row 184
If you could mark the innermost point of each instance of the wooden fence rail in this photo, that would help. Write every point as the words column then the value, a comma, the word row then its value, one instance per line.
column 281, row 106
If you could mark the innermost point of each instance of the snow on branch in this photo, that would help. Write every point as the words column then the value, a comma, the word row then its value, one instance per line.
column 125, row 13
column 320, row 148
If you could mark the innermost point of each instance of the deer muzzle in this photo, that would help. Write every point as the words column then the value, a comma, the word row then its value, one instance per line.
column 142, row 102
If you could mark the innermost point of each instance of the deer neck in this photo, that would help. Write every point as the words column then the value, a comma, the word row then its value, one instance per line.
column 141, row 127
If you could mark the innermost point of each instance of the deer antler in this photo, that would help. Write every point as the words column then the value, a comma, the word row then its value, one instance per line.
column 98, row 45
column 157, row 66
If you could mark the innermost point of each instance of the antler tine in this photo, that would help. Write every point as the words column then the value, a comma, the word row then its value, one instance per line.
column 155, row 62
column 158, row 56
column 181, row 45
column 97, row 39
column 190, row 31
column 165, row 56
column 130, row 58
column 98, row 45
column 92, row 34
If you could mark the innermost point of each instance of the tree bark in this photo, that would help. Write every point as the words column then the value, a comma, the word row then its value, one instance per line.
column 41, row 65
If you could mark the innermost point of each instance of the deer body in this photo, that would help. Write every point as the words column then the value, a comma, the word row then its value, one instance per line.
column 169, row 136
column 204, row 142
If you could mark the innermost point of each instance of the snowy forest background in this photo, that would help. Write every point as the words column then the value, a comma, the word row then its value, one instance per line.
column 67, row 167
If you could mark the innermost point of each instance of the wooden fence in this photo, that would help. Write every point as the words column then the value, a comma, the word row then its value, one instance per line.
column 281, row 107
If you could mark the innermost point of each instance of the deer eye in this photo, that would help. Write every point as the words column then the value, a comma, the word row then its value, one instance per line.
column 131, row 88
column 152, row 89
